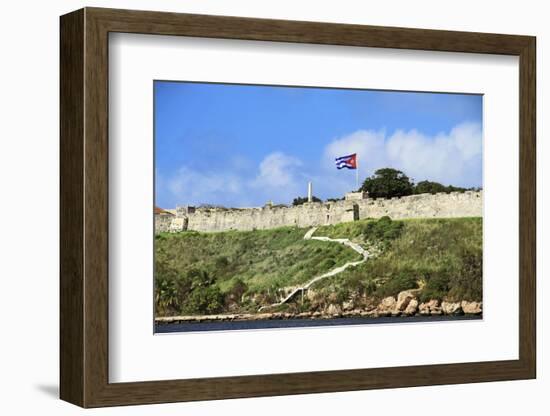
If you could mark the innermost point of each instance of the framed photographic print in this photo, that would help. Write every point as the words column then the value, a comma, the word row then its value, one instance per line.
column 255, row 207
column 243, row 246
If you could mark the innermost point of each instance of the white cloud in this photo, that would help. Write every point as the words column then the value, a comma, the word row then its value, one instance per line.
column 195, row 187
column 276, row 178
column 277, row 170
column 279, row 179
column 368, row 144
column 450, row 158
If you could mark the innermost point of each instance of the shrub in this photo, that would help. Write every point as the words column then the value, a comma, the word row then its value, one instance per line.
column 382, row 231
column 370, row 287
column 204, row 300
column 396, row 284
column 237, row 290
column 428, row 187
column 166, row 295
column 437, row 287
column 466, row 284
column 167, row 299
column 327, row 264
column 197, row 278
column 302, row 200
column 221, row 262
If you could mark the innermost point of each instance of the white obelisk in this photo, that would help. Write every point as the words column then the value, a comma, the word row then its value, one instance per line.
column 309, row 192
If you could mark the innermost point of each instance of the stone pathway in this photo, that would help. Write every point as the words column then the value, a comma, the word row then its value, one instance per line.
column 309, row 236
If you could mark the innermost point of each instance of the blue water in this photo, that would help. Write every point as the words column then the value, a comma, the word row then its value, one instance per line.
column 299, row 323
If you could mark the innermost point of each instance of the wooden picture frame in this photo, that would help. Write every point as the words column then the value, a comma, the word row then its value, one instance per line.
column 84, row 207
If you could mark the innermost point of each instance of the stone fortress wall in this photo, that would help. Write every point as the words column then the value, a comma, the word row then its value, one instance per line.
column 355, row 206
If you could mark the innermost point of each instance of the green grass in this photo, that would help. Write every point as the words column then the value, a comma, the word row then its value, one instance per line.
column 352, row 230
column 441, row 256
column 265, row 260
column 245, row 269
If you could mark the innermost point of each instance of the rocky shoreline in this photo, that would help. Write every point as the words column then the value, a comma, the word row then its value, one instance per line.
column 405, row 304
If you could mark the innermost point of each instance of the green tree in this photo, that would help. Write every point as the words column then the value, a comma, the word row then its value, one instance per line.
column 199, row 293
column 428, row 187
column 387, row 183
column 166, row 295
column 197, row 278
column 452, row 188
column 204, row 300
column 301, row 200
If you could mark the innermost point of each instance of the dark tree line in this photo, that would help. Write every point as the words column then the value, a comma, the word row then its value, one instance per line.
column 302, row 200
column 389, row 182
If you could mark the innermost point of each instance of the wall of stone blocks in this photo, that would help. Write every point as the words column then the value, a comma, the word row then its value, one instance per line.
column 467, row 204
column 442, row 205
column 163, row 222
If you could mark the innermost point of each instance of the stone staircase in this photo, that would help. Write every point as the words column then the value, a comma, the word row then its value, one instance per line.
column 309, row 236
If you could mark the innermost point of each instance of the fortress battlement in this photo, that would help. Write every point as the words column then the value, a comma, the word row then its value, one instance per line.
column 354, row 207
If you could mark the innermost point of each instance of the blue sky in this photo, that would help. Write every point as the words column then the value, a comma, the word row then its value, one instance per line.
column 242, row 145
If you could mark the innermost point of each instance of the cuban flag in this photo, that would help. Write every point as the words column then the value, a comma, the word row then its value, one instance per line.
column 349, row 162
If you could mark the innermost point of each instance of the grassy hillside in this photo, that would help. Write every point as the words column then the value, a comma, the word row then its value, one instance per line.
column 441, row 256
column 240, row 271
column 256, row 262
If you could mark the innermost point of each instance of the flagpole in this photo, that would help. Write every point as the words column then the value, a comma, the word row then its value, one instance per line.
column 357, row 172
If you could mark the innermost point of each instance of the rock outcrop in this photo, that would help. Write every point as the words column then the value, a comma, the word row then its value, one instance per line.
column 430, row 308
column 451, row 308
column 387, row 306
column 471, row 308
column 404, row 298
column 412, row 308
column 333, row 310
